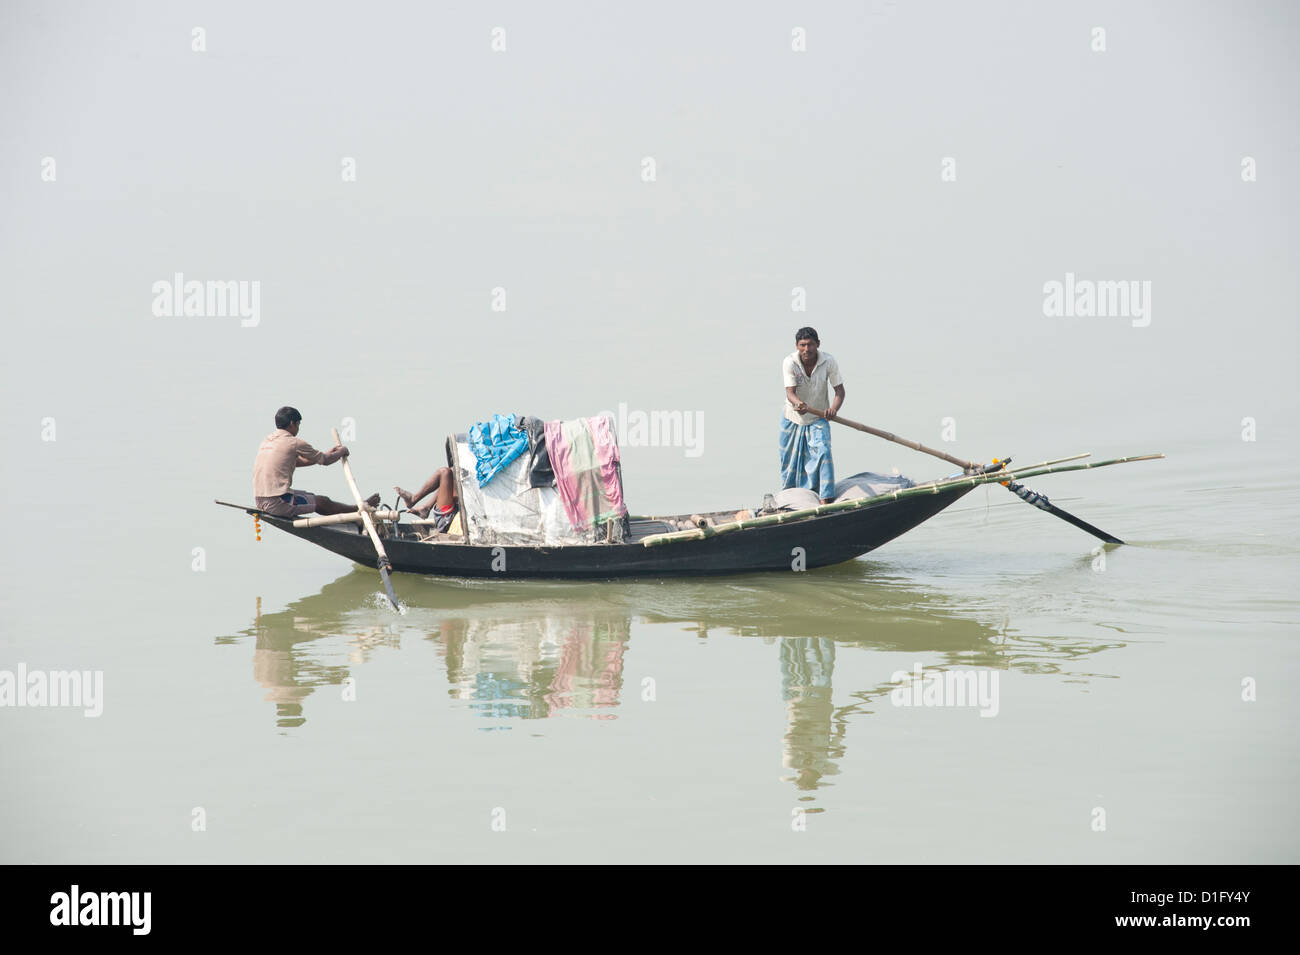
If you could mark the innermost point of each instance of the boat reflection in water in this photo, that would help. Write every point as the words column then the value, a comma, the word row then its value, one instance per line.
column 538, row 666
column 526, row 650
column 282, row 661
column 522, row 657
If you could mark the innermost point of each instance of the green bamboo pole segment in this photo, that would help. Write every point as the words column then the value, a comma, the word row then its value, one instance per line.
column 934, row 487
column 1006, row 475
column 783, row 516
column 1035, row 470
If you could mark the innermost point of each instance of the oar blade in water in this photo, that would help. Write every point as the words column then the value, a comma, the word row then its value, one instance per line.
column 1043, row 504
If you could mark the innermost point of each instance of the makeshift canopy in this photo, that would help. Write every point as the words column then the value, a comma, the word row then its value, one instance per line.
column 507, row 509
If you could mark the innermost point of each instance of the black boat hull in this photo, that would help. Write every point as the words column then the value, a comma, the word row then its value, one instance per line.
column 824, row 540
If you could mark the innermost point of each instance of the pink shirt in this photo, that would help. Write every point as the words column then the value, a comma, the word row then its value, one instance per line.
column 279, row 454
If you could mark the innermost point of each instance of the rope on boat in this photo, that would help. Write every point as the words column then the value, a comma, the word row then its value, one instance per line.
column 1039, row 501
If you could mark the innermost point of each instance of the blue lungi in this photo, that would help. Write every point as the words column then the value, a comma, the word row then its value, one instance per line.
column 806, row 456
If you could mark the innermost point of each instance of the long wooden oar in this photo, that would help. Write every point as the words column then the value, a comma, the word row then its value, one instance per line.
column 1022, row 492
column 970, row 466
column 384, row 564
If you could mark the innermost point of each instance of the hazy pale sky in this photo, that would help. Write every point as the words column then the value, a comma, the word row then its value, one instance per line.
column 522, row 169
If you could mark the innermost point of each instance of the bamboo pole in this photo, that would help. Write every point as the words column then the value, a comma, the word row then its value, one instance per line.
column 384, row 564
column 782, row 517
column 322, row 520
column 1006, row 474
column 890, row 436
column 935, row 487
column 970, row 467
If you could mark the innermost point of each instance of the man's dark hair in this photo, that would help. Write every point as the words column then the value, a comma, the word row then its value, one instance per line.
column 286, row 416
column 807, row 332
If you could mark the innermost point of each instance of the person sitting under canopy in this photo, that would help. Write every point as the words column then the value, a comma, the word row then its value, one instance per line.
column 443, row 503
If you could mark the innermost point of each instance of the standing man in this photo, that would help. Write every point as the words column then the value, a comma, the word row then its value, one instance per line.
column 809, row 373
column 280, row 453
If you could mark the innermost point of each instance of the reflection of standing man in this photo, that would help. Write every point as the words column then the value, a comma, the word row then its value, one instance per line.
column 808, row 374
column 807, row 665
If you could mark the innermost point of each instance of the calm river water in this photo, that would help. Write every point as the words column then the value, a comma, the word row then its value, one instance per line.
column 271, row 708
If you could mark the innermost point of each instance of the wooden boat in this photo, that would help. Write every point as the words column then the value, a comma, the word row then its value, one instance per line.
column 716, row 543
column 829, row 538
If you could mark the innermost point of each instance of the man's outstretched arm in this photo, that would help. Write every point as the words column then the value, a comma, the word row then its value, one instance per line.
column 837, row 401
column 306, row 459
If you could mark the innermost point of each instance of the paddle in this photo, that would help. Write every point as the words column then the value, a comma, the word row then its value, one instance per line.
column 968, row 466
column 1043, row 504
column 1022, row 492
column 384, row 565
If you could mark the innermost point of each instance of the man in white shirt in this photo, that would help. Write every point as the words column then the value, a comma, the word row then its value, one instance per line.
column 808, row 374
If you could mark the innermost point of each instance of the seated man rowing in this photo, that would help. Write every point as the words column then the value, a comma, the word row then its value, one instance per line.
column 442, row 504
column 281, row 452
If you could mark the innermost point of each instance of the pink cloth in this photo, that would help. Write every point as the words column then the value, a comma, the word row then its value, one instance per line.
column 608, row 456
column 590, row 672
column 584, row 457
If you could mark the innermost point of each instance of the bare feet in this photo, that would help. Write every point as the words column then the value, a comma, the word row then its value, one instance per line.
column 407, row 497
column 373, row 500
column 422, row 512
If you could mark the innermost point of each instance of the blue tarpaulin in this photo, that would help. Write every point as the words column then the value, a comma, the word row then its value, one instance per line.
column 495, row 444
